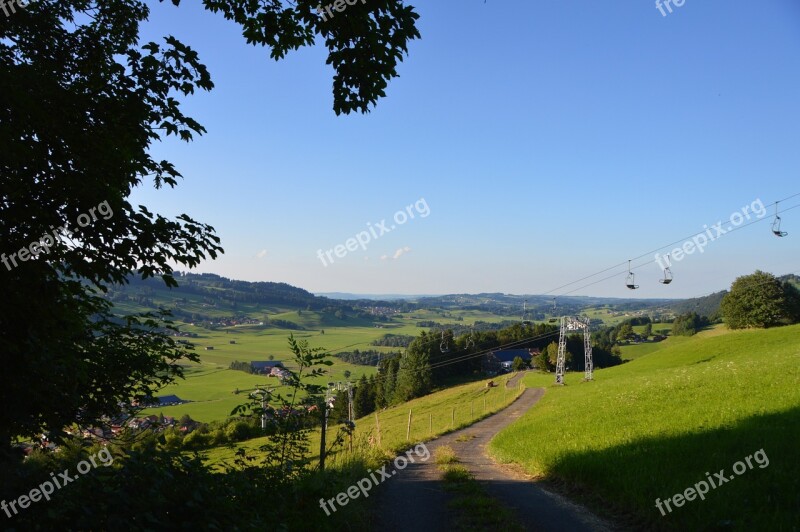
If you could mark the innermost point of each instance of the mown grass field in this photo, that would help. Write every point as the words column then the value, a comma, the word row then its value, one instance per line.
column 656, row 426
column 210, row 385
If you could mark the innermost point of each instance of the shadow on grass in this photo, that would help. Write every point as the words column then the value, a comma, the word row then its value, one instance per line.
column 626, row 480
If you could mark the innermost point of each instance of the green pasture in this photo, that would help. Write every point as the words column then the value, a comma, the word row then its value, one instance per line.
column 653, row 427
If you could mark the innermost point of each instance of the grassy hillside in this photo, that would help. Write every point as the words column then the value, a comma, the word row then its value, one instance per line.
column 656, row 426
column 432, row 415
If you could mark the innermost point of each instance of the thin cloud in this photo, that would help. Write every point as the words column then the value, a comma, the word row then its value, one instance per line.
column 400, row 252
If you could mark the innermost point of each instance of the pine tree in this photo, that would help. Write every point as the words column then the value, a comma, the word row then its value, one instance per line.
column 390, row 382
column 414, row 377
column 362, row 402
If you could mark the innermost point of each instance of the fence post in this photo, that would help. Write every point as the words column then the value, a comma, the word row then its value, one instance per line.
column 430, row 424
column 408, row 429
column 453, row 419
column 378, row 428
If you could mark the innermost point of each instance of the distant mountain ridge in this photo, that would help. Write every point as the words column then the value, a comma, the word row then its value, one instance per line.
column 223, row 295
column 347, row 296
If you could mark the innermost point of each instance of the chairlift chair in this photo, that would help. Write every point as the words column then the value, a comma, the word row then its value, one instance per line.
column 630, row 281
column 667, row 273
column 776, row 224
column 443, row 347
column 470, row 338
column 553, row 319
column 525, row 320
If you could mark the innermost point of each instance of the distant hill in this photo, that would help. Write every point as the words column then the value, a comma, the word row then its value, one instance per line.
column 205, row 297
column 709, row 305
column 704, row 306
column 218, row 289
column 792, row 279
column 538, row 306
column 347, row 296
column 201, row 297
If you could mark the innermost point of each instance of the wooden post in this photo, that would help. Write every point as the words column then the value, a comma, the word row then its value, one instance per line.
column 453, row 419
column 430, row 424
column 322, row 437
column 484, row 404
column 472, row 409
column 378, row 428
column 408, row 429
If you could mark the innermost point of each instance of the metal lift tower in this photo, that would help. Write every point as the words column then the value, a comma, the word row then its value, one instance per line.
column 571, row 323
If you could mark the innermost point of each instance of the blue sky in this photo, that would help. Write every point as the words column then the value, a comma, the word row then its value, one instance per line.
column 549, row 140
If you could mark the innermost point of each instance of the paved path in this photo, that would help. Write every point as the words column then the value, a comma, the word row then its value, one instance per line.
column 414, row 499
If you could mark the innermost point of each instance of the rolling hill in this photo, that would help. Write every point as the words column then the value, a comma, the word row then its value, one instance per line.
column 656, row 426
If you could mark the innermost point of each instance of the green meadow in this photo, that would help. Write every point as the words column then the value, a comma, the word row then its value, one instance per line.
column 431, row 416
column 655, row 426
column 211, row 386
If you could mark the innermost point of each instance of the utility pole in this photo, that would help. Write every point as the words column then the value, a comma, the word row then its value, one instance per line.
column 326, row 405
column 350, row 413
column 349, row 401
column 263, row 394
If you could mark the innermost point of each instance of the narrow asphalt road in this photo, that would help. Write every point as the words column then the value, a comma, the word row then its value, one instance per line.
column 414, row 499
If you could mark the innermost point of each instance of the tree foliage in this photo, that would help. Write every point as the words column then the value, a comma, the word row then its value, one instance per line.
column 760, row 300
column 83, row 102
column 414, row 376
column 364, row 399
column 689, row 324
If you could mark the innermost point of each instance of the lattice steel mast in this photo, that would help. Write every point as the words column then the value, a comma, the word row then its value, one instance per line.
column 570, row 323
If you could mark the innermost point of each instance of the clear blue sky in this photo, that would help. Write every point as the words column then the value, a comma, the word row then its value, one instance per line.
column 549, row 140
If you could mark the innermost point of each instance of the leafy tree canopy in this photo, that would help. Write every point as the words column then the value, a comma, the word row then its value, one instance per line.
column 760, row 300
column 83, row 101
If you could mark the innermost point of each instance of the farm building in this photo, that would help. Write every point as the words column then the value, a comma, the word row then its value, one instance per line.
column 266, row 367
column 168, row 400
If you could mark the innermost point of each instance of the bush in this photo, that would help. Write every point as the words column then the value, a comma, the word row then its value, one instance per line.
column 760, row 300
column 197, row 440
column 239, row 430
